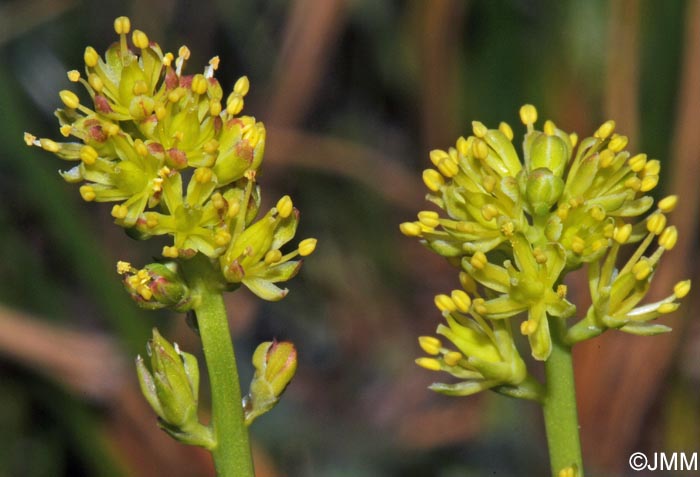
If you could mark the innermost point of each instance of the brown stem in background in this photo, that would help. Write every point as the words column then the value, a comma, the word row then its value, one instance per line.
column 441, row 29
column 18, row 17
column 388, row 178
column 311, row 30
column 86, row 363
column 622, row 75
column 615, row 396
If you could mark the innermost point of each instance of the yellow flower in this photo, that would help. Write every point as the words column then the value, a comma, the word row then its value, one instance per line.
column 517, row 226
column 485, row 355
column 528, row 284
column 616, row 293
column 254, row 258
column 176, row 157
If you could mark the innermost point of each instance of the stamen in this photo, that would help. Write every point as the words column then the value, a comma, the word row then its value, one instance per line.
column 528, row 115
column 445, row 303
column 307, row 246
column 430, row 345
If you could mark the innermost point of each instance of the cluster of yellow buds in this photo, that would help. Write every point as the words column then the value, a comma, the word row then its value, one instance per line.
column 515, row 228
column 177, row 158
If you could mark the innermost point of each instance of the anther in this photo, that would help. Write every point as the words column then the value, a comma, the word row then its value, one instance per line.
column 667, row 204
column 272, row 257
column 430, row 344
column 649, row 182
column 681, row 289
column 528, row 327
column 91, row 57
column 577, row 245
column 95, row 82
column 139, row 39
column 123, row 267
column 528, row 114
column 203, row 175
column 506, row 130
column 410, row 229
column 668, row 237
column 549, row 128
column 448, row 167
column 668, row 308
column 480, row 130
column 170, row 252
column 430, row 364
column 120, row 211
column 618, row 143
column 656, row 223
column 285, row 207
column 452, row 358
column 242, row 86
column 605, row 130
column 429, row 218
column 73, row 76
column 199, row 84
column 307, row 246
column 637, row 162
column 69, row 98
column 622, row 234
column 480, row 149
column 445, row 303
column 437, row 155
column 479, row 260
column 122, row 25
column 87, row 193
column 461, row 300
column 88, row 155
column 433, row 180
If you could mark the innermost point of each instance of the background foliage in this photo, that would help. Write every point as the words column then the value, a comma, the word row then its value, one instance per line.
column 354, row 93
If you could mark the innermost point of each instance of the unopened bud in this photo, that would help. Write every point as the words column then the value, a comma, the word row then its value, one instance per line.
column 549, row 151
column 172, row 385
column 543, row 189
column 275, row 364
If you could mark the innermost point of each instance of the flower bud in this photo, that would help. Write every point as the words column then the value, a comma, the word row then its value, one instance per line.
column 550, row 152
column 172, row 385
column 275, row 364
column 543, row 189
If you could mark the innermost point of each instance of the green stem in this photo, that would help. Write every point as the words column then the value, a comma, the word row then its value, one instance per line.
column 232, row 455
column 560, row 416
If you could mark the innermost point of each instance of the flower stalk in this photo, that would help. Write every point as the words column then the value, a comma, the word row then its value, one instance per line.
column 231, row 451
column 559, row 406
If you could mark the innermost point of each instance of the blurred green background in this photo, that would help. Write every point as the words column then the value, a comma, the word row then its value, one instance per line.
column 354, row 93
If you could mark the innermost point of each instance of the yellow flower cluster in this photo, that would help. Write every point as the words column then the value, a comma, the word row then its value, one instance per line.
column 177, row 158
column 515, row 228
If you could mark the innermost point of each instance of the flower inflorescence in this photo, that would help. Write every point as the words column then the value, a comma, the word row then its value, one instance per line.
column 516, row 227
column 177, row 159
